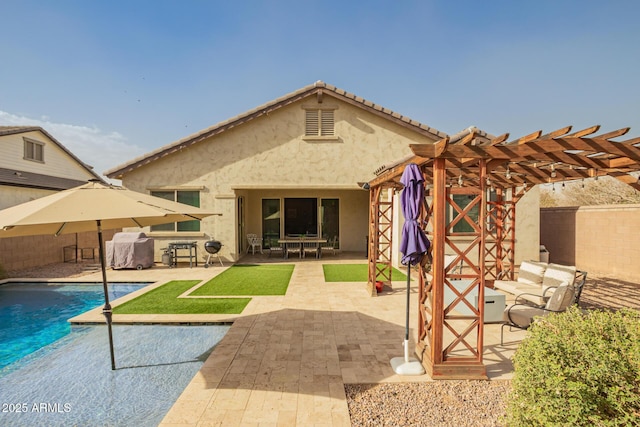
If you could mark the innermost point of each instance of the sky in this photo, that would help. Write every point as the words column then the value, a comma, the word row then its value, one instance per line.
column 113, row 79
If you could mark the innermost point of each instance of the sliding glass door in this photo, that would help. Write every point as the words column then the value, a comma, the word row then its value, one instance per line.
column 300, row 217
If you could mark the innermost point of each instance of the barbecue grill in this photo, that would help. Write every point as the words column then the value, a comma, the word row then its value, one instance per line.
column 212, row 247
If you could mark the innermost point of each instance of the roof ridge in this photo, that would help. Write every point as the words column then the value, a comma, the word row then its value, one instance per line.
column 263, row 109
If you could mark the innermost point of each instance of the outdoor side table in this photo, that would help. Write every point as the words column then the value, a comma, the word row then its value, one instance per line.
column 494, row 301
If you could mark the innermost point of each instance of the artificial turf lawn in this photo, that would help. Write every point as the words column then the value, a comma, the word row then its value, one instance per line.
column 353, row 273
column 164, row 300
column 249, row 280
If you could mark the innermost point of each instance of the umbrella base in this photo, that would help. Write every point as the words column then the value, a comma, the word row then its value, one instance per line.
column 403, row 367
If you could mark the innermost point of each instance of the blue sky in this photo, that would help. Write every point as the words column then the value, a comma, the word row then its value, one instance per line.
column 114, row 79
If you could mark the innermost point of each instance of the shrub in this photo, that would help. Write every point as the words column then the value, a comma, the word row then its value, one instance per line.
column 578, row 369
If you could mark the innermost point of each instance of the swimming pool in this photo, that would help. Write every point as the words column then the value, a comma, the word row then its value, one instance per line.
column 69, row 381
column 33, row 315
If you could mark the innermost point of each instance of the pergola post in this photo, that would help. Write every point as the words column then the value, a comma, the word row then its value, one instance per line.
column 380, row 237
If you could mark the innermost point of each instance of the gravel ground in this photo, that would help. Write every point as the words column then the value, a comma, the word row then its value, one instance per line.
column 425, row 404
column 437, row 403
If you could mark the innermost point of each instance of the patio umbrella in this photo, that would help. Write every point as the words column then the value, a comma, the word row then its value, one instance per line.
column 413, row 245
column 92, row 207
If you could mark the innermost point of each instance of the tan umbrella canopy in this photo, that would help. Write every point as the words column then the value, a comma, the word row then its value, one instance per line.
column 92, row 207
column 77, row 209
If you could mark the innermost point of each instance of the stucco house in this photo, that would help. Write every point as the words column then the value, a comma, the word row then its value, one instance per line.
column 290, row 166
column 34, row 164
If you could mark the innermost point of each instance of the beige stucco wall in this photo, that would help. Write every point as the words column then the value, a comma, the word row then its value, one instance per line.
column 11, row 196
column 598, row 239
column 270, row 152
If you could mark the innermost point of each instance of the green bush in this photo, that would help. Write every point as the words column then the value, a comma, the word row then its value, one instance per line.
column 578, row 369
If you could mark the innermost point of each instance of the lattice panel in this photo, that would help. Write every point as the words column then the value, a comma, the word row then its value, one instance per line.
column 380, row 232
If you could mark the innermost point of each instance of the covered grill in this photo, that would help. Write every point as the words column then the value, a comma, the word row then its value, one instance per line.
column 212, row 247
column 130, row 250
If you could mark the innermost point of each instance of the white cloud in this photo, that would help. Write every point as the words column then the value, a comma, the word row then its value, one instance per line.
column 96, row 148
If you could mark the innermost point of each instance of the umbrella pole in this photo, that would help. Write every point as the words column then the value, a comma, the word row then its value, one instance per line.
column 106, row 310
column 407, row 365
column 406, row 334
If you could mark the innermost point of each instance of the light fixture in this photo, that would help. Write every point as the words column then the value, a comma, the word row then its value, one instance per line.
column 553, row 171
column 563, row 185
column 488, row 181
column 460, row 182
column 507, row 174
column 554, row 186
column 582, row 182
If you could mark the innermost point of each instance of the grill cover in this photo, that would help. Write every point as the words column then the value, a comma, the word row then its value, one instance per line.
column 130, row 250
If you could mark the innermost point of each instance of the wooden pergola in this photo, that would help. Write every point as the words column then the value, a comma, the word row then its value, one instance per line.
column 490, row 174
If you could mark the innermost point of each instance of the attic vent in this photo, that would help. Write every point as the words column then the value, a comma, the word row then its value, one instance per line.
column 319, row 123
column 326, row 123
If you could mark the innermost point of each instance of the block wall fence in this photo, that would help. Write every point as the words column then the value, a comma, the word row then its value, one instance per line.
column 602, row 240
column 18, row 253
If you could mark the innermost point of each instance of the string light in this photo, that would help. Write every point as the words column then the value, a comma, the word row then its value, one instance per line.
column 507, row 174
column 553, row 171
column 582, row 182
column 460, row 182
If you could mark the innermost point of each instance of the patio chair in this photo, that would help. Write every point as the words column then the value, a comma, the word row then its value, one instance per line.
column 522, row 313
column 330, row 246
column 254, row 242
column 309, row 248
column 275, row 248
column 293, row 248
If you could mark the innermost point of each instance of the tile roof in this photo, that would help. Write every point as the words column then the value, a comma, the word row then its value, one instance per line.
column 318, row 88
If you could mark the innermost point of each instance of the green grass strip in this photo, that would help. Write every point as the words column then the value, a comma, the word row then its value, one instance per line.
column 354, row 273
column 164, row 300
column 249, row 280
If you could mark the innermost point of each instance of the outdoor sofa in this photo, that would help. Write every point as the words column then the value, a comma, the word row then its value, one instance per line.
column 537, row 281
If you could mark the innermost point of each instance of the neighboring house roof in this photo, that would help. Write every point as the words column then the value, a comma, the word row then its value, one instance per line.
column 318, row 89
column 16, row 178
column 11, row 130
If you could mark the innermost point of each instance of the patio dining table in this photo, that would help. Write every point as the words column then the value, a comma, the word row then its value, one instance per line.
column 301, row 240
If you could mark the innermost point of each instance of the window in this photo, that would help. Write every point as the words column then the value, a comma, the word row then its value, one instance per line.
column 33, row 150
column 462, row 201
column 319, row 123
column 188, row 198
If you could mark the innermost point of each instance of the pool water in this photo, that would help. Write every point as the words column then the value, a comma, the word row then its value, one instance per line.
column 70, row 382
column 34, row 315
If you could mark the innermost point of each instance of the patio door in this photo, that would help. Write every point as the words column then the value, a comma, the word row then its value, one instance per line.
column 330, row 220
column 240, row 220
column 300, row 216
column 270, row 222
